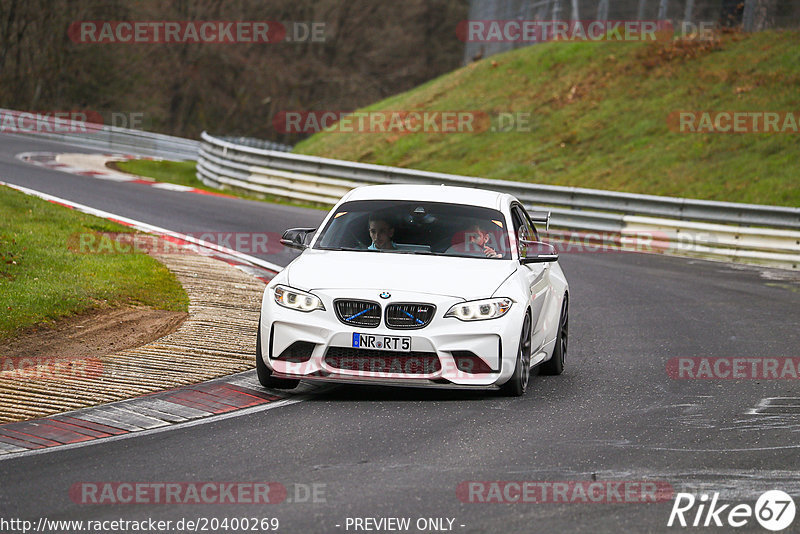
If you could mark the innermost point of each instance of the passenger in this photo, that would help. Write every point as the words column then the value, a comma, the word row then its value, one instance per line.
column 479, row 238
column 381, row 232
column 476, row 239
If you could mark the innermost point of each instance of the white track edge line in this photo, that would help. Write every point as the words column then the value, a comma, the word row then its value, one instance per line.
column 145, row 227
column 140, row 433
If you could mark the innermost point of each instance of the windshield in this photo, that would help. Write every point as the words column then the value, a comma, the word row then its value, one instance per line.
column 408, row 227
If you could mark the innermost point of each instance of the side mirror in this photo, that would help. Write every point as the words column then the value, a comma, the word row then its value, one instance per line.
column 541, row 218
column 296, row 237
column 536, row 252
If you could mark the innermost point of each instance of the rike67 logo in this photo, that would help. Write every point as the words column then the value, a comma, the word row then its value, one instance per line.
column 774, row 510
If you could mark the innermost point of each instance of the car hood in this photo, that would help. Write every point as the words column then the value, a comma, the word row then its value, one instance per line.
column 468, row 278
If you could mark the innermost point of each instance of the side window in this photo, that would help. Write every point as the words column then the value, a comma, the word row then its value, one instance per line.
column 534, row 231
column 522, row 224
column 516, row 220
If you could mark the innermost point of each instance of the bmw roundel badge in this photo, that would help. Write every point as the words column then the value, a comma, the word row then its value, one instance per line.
column 385, row 295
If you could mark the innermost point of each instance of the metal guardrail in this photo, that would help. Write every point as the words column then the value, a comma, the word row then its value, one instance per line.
column 256, row 143
column 103, row 137
column 574, row 203
column 719, row 230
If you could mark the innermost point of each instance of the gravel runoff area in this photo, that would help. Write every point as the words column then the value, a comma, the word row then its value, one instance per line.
column 217, row 338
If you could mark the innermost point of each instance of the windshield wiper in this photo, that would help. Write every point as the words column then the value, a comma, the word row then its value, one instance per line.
column 349, row 249
column 420, row 252
column 395, row 251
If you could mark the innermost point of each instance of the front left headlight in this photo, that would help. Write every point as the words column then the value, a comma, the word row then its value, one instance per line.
column 294, row 299
column 478, row 310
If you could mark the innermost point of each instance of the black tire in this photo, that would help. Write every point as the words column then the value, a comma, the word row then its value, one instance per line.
column 518, row 383
column 555, row 365
column 265, row 373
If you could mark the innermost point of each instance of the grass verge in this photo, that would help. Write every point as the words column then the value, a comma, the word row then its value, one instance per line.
column 598, row 118
column 185, row 173
column 41, row 280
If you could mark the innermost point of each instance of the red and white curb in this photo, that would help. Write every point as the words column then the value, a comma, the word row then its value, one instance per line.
column 221, row 398
column 98, row 169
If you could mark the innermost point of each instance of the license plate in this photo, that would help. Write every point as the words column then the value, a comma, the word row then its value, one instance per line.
column 376, row 342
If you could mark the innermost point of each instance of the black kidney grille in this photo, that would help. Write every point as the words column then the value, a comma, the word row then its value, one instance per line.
column 358, row 312
column 409, row 315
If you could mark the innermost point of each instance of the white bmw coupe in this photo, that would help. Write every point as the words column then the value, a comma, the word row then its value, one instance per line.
column 416, row 285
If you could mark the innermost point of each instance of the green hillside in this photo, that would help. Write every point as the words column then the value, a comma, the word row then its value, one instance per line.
column 598, row 118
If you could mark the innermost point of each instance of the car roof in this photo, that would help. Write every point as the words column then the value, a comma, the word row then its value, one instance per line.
column 431, row 193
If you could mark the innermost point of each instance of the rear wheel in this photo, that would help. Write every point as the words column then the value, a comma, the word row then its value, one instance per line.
column 518, row 383
column 555, row 365
column 265, row 373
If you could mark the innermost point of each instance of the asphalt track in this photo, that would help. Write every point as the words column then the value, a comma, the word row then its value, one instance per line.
column 615, row 414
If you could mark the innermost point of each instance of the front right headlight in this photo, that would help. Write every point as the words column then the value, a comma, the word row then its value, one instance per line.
column 295, row 299
column 478, row 310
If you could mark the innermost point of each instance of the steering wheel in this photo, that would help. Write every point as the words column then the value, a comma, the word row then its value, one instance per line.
column 357, row 240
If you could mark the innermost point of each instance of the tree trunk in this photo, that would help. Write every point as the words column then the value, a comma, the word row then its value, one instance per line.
column 662, row 9
column 758, row 15
column 688, row 14
column 640, row 15
column 602, row 10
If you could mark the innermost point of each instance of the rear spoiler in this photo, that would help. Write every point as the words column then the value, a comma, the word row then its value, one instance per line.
column 541, row 217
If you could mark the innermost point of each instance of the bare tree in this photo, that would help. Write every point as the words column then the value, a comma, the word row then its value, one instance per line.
column 758, row 15
column 640, row 13
column 602, row 10
column 688, row 13
column 662, row 9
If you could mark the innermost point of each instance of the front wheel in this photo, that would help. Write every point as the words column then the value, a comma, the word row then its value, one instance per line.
column 265, row 373
column 555, row 365
column 518, row 383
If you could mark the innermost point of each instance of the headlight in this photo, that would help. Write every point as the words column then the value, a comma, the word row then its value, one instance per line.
column 477, row 310
column 297, row 300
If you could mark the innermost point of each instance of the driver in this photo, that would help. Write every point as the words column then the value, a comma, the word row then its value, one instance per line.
column 381, row 232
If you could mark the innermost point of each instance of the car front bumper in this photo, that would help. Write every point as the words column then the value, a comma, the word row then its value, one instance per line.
column 321, row 347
